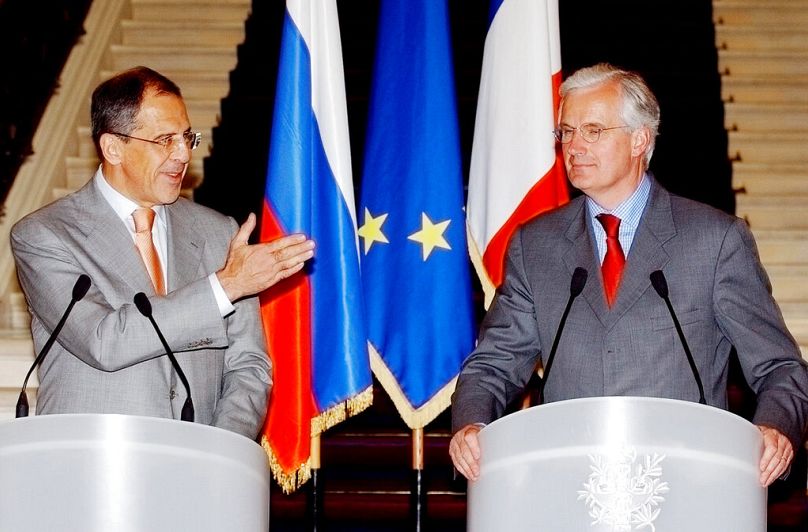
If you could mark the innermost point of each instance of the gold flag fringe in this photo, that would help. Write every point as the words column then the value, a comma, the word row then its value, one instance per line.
column 414, row 418
column 477, row 260
column 341, row 411
column 293, row 480
column 288, row 482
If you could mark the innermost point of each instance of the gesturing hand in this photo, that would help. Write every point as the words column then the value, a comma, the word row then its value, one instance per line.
column 251, row 269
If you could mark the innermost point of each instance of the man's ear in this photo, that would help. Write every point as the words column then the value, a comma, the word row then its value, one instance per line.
column 111, row 148
column 640, row 140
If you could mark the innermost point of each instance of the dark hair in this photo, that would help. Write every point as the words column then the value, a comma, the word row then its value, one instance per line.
column 116, row 102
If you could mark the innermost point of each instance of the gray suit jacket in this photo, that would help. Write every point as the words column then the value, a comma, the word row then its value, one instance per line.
column 718, row 289
column 108, row 358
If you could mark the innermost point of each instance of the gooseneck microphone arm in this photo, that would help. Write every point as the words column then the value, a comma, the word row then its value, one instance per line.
column 144, row 306
column 79, row 291
column 660, row 284
column 577, row 284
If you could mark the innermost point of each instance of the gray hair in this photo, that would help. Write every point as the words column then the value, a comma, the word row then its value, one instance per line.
column 640, row 107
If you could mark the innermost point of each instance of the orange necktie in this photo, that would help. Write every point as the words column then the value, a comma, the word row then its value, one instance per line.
column 614, row 261
column 144, row 219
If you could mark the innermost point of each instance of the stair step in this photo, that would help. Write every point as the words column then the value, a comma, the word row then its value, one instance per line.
column 194, row 84
column 769, row 179
column 181, row 10
column 760, row 38
column 776, row 13
column 779, row 63
column 773, row 148
column 798, row 325
column 182, row 34
column 20, row 319
column 17, row 354
column 161, row 58
column 789, row 282
column 795, row 314
column 766, row 117
column 354, row 511
column 773, row 212
column 782, row 246
column 373, row 449
column 749, row 89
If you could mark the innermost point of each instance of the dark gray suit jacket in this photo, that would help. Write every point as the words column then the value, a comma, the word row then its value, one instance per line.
column 718, row 289
column 108, row 359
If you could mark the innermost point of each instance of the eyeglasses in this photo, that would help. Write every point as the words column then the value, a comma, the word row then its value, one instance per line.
column 589, row 132
column 169, row 143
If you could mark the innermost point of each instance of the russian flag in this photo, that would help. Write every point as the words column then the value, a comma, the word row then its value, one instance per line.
column 314, row 321
column 415, row 268
column 516, row 170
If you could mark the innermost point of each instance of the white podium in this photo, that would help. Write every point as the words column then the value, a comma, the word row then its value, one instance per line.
column 104, row 472
column 619, row 464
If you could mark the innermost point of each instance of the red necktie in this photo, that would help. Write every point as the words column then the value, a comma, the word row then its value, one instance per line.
column 144, row 218
column 614, row 261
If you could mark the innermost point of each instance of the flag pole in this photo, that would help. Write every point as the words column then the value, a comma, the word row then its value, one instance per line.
column 417, row 492
column 315, row 498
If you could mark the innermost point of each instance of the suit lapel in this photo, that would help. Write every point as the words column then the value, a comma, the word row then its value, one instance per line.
column 109, row 242
column 647, row 253
column 185, row 246
column 581, row 253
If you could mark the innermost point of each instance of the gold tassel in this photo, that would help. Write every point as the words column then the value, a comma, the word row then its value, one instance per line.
column 290, row 482
column 341, row 411
column 414, row 418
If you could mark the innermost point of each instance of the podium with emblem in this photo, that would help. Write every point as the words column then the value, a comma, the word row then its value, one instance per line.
column 619, row 464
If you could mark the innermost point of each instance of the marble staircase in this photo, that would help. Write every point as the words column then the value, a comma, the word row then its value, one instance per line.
column 763, row 60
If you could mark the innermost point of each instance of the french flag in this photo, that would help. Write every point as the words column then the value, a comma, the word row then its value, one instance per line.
column 314, row 320
column 516, row 171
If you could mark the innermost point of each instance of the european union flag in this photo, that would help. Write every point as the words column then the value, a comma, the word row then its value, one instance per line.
column 415, row 270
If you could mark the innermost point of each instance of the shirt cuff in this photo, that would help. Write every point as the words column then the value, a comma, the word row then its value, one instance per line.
column 225, row 306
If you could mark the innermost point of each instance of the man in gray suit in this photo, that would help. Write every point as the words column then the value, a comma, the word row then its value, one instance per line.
column 619, row 338
column 196, row 267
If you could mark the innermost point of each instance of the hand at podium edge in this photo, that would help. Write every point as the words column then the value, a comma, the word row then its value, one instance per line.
column 777, row 455
column 464, row 450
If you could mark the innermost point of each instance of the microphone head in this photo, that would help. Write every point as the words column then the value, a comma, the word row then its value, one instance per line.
column 142, row 303
column 579, row 277
column 80, row 288
column 659, row 283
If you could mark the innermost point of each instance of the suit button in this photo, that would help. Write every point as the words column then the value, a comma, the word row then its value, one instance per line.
column 172, row 394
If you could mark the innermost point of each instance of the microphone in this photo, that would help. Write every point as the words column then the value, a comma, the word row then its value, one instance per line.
column 79, row 291
column 577, row 284
column 144, row 306
column 661, row 286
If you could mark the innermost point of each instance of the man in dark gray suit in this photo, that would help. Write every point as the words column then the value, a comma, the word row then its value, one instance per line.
column 619, row 338
column 194, row 264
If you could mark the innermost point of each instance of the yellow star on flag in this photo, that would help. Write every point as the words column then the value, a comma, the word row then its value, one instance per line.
column 371, row 230
column 431, row 235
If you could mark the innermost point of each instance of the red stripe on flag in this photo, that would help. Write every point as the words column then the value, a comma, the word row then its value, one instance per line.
column 547, row 194
column 286, row 313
